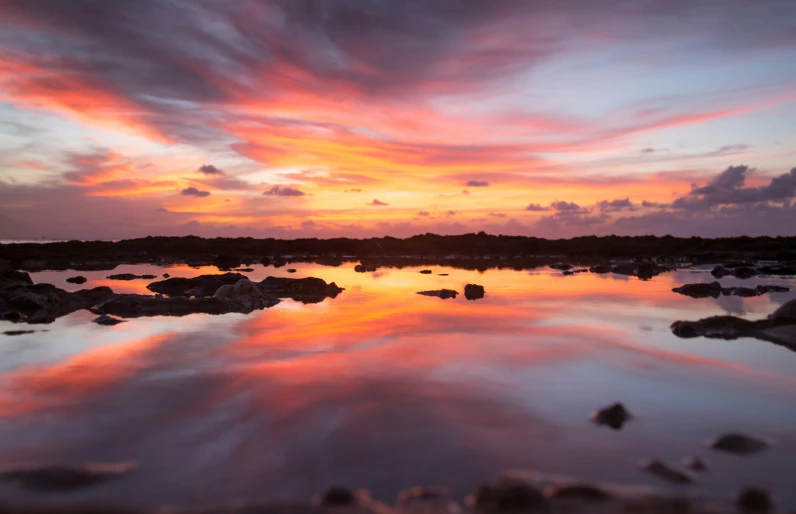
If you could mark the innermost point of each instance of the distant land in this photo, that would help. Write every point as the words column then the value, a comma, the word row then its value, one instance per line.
column 472, row 251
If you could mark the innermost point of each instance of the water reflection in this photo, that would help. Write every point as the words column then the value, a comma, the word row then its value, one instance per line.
column 383, row 389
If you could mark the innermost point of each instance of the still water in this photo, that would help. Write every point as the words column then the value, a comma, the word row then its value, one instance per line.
column 384, row 389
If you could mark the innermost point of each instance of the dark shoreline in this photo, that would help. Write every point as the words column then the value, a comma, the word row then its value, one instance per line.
column 469, row 251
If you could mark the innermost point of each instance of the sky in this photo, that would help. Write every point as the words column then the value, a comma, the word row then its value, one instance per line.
column 361, row 118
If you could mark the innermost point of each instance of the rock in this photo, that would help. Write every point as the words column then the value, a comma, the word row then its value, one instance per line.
column 166, row 275
column 509, row 494
column 203, row 285
column 148, row 277
column 18, row 332
column 244, row 270
column 568, row 273
column 246, row 287
column 305, row 290
column 744, row 272
column 744, row 292
column 712, row 290
column 580, row 492
column 440, row 293
column 13, row 316
column 647, row 270
column 329, row 261
column 442, row 274
column 668, row 473
column 473, row 291
column 225, row 262
column 720, row 271
column 64, row 478
column 425, row 272
column 135, row 306
column 754, row 500
column 77, row 280
column 225, row 291
column 786, row 311
column 777, row 270
column 716, row 327
column 337, row 496
column 108, row 321
column 739, row 444
column 561, row 266
column 43, row 303
column 363, row 268
column 291, row 270
column 615, row 416
column 696, row 464
column 600, row 268
column 14, row 278
column 123, row 276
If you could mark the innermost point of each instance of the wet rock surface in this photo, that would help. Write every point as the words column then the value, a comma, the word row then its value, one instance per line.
column 473, row 292
column 440, row 293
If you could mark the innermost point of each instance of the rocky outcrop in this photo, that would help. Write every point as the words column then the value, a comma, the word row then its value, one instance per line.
column 473, row 291
column 204, row 285
column 714, row 290
column 778, row 328
column 77, row 280
column 44, row 303
column 14, row 278
column 440, row 293
column 614, row 416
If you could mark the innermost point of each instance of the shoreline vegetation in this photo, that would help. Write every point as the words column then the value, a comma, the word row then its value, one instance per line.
column 469, row 251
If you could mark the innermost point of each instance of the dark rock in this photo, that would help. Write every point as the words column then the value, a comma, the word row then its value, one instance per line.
column 14, row 278
column 63, row 478
column 753, row 500
column 123, row 276
column 777, row 270
column 720, row 271
column 244, row 270
column 425, row 271
column 337, row 496
column 744, row 272
column 108, row 321
column 712, row 290
column 166, row 275
column 744, row 292
column 18, row 332
column 785, row 312
column 601, row 268
column 13, row 316
column 440, row 293
column 148, row 277
column 364, row 268
column 442, row 274
column 740, row 444
column 291, row 270
column 77, row 280
column 278, row 262
column 225, row 262
column 562, row 266
column 135, row 306
column 203, row 285
column 329, row 261
column 509, row 494
column 615, row 416
column 473, row 291
column 668, row 473
column 696, row 464
column 305, row 290
column 647, row 270
column 43, row 303
column 580, row 492
column 568, row 273
column 717, row 327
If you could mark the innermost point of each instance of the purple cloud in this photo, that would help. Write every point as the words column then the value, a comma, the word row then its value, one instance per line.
column 283, row 191
column 377, row 203
column 192, row 191
column 209, row 169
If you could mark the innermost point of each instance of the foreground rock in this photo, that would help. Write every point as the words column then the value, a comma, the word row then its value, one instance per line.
column 64, row 478
column 714, row 290
column 440, row 293
column 44, row 303
column 614, row 416
column 778, row 328
column 473, row 292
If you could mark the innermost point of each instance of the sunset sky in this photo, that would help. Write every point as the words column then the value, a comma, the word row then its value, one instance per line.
column 325, row 118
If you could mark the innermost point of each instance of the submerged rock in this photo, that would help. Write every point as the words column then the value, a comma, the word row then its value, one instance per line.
column 754, row 500
column 668, row 473
column 615, row 416
column 64, row 478
column 740, row 444
column 107, row 321
column 440, row 293
column 473, row 291
column 77, row 280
